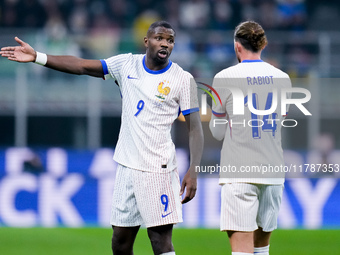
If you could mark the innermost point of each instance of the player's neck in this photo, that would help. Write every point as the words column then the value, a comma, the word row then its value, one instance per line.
column 250, row 56
column 152, row 65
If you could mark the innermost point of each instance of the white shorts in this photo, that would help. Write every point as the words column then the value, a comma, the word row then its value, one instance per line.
column 141, row 197
column 246, row 206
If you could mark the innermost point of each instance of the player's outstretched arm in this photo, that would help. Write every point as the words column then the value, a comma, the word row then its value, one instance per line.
column 196, row 142
column 68, row 64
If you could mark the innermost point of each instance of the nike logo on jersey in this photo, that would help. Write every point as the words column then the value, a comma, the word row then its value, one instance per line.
column 129, row 77
column 166, row 214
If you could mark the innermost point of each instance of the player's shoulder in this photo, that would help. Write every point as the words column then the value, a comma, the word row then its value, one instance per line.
column 177, row 67
column 233, row 71
column 125, row 57
column 178, row 70
column 240, row 69
column 187, row 75
column 279, row 73
column 227, row 72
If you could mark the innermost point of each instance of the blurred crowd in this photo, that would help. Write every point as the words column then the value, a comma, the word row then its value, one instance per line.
column 79, row 16
column 101, row 28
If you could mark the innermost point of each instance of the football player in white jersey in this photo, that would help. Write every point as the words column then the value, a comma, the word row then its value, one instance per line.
column 154, row 89
column 250, row 200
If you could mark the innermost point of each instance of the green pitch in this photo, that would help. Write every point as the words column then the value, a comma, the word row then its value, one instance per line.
column 66, row 241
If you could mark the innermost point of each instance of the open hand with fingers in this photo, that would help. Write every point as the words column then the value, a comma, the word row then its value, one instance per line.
column 23, row 53
column 190, row 184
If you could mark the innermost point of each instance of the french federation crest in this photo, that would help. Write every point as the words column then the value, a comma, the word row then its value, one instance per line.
column 162, row 92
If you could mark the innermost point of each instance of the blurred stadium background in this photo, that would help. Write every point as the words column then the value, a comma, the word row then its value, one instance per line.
column 58, row 131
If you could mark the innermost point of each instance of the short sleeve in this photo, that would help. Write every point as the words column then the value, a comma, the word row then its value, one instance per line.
column 113, row 65
column 188, row 100
column 219, row 104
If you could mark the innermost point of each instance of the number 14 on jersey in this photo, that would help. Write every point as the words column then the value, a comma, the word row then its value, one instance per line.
column 267, row 124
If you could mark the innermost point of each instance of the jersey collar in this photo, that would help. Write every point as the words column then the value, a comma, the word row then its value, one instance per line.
column 158, row 71
column 251, row 60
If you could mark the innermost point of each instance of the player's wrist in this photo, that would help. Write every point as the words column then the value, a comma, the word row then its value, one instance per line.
column 40, row 58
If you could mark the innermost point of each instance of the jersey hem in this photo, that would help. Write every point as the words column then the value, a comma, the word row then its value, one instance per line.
column 269, row 181
column 162, row 170
column 217, row 114
column 105, row 69
column 186, row 112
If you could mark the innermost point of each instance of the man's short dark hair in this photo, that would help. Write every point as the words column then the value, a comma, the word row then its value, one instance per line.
column 161, row 23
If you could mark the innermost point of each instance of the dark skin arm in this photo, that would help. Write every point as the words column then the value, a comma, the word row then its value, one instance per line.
column 68, row 64
column 196, row 142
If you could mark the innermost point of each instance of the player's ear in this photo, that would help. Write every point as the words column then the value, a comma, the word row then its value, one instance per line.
column 145, row 41
column 238, row 47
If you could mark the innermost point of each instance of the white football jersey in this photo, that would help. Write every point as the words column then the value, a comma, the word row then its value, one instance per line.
column 151, row 101
column 251, row 150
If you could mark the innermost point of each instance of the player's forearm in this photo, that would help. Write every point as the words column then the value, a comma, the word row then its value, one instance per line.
column 75, row 65
column 67, row 64
column 196, row 143
column 196, row 138
column 217, row 127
